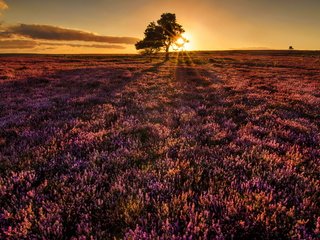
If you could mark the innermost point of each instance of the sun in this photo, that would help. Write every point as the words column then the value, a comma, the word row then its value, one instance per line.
column 180, row 41
column 183, row 43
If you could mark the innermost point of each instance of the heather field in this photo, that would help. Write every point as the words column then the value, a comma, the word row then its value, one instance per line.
column 206, row 145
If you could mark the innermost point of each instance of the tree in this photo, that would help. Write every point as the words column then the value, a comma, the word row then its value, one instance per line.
column 153, row 40
column 171, row 30
column 161, row 35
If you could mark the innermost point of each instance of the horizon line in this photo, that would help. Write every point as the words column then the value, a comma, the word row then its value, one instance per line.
column 220, row 50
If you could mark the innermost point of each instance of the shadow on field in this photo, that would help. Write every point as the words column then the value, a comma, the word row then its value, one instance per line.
column 155, row 67
column 63, row 96
column 195, row 82
column 201, row 89
column 81, row 82
column 187, row 71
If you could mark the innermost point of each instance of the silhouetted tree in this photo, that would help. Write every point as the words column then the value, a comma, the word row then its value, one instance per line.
column 153, row 40
column 291, row 48
column 171, row 30
column 161, row 35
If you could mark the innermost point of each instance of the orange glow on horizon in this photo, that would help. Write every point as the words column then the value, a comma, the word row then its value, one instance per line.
column 209, row 25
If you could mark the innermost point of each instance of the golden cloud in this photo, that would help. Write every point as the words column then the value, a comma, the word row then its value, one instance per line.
column 29, row 44
column 47, row 32
column 17, row 44
column 3, row 5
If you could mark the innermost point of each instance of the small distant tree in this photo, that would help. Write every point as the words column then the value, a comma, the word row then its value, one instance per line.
column 161, row 35
column 291, row 48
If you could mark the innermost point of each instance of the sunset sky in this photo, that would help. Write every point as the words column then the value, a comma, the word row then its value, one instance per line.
column 110, row 26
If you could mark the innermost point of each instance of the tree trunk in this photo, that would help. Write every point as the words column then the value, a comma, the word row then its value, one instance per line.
column 167, row 51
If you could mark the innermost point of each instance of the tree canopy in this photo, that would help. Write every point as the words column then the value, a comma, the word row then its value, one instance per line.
column 161, row 35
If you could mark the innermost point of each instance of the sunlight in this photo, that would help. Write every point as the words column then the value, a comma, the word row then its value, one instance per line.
column 183, row 43
column 188, row 45
column 180, row 41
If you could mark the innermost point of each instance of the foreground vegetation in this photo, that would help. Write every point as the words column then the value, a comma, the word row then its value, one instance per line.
column 205, row 146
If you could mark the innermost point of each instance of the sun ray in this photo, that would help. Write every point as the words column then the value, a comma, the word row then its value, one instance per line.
column 182, row 43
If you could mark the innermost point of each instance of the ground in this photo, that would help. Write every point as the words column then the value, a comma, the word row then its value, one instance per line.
column 208, row 145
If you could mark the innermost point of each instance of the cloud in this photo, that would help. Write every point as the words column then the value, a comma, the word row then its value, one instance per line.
column 17, row 44
column 3, row 5
column 102, row 46
column 5, row 35
column 47, row 32
column 28, row 36
column 29, row 44
column 109, row 46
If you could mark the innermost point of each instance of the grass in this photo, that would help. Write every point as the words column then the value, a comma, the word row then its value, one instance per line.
column 207, row 145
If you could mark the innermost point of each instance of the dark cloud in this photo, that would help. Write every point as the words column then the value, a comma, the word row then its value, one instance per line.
column 17, row 44
column 103, row 46
column 28, row 44
column 4, row 34
column 46, row 32
column 26, row 36
column 109, row 46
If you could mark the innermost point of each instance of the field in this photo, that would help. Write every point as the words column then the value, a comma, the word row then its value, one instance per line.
column 207, row 145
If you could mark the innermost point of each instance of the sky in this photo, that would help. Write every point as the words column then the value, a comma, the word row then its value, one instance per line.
column 113, row 26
